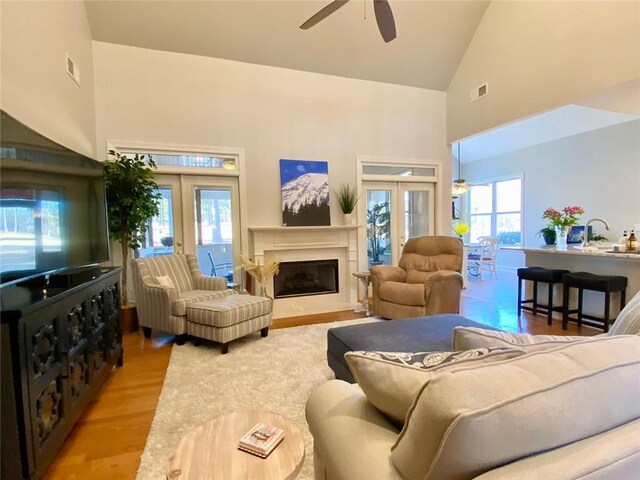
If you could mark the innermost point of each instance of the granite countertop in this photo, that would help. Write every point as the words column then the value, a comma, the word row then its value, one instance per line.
column 601, row 251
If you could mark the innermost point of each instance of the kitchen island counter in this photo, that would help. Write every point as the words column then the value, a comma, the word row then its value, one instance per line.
column 589, row 252
column 596, row 261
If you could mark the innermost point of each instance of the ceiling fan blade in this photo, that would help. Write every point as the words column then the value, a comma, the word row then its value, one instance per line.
column 324, row 13
column 384, row 17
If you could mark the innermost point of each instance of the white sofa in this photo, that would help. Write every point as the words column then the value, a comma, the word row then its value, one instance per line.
column 524, row 407
column 569, row 412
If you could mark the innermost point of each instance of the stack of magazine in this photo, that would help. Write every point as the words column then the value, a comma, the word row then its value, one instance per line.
column 261, row 439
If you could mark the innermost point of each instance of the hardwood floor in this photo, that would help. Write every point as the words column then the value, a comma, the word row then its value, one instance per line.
column 494, row 301
column 108, row 441
column 315, row 318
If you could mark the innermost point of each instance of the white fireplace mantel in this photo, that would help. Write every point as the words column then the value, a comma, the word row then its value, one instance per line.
column 290, row 244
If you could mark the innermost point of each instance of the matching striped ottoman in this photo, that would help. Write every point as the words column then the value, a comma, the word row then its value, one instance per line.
column 230, row 317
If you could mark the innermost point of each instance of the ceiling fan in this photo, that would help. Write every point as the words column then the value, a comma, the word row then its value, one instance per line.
column 382, row 9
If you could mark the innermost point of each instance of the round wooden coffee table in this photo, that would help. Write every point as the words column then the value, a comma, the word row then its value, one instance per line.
column 211, row 450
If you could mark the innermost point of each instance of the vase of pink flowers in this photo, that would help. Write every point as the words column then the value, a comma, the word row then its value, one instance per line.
column 562, row 221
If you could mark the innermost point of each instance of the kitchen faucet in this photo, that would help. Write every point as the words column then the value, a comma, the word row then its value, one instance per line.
column 585, row 243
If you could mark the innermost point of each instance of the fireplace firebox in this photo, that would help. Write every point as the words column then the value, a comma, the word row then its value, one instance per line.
column 313, row 277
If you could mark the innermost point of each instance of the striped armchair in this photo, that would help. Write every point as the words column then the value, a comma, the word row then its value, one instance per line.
column 162, row 304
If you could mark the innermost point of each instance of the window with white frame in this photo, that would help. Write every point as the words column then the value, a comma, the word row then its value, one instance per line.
column 495, row 209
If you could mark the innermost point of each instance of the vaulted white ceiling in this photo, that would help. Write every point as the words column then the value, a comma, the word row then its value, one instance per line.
column 611, row 106
column 545, row 127
column 432, row 35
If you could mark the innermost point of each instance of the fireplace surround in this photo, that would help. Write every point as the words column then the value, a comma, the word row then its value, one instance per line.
column 310, row 244
column 308, row 277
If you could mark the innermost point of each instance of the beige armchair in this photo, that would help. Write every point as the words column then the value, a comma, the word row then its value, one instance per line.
column 162, row 304
column 427, row 280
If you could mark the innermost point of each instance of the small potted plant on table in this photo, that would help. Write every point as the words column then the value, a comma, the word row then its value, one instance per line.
column 347, row 199
column 548, row 234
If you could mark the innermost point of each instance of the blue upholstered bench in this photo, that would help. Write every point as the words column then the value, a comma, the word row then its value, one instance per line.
column 422, row 334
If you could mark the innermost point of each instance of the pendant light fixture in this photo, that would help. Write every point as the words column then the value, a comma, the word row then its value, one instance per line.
column 459, row 185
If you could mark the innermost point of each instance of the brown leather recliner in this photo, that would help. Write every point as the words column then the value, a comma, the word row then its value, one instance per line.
column 427, row 280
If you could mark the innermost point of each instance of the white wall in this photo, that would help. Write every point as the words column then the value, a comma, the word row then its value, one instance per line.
column 539, row 55
column 598, row 170
column 273, row 113
column 34, row 85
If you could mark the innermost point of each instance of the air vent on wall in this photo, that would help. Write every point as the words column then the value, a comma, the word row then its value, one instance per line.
column 479, row 92
column 73, row 70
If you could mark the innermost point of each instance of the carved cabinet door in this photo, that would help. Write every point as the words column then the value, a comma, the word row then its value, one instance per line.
column 98, row 333
column 77, row 353
column 45, row 378
column 112, row 314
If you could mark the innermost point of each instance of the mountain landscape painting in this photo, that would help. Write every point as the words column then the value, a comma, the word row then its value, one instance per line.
column 305, row 193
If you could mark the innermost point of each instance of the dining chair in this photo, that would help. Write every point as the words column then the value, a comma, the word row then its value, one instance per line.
column 484, row 257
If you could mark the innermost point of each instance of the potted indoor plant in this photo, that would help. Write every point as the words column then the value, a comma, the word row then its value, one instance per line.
column 347, row 199
column 378, row 223
column 562, row 221
column 132, row 199
column 548, row 233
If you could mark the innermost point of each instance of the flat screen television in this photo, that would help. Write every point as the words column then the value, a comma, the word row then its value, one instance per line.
column 52, row 205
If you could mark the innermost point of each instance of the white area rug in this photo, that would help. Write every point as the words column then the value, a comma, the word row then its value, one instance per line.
column 276, row 373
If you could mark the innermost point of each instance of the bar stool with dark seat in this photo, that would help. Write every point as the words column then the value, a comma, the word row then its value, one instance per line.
column 539, row 275
column 598, row 283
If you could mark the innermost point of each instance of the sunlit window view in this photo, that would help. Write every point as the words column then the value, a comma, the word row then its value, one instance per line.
column 379, row 227
column 495, row 209
column 17, row 237
column 416, row 213
column 50, row 219
column 480, row 207
column 159, row 239
column 29, row 224
column 214, row 231
column 202, row 161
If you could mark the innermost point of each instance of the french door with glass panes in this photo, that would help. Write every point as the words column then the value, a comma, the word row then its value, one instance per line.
column 395, row 212
column 198, row 215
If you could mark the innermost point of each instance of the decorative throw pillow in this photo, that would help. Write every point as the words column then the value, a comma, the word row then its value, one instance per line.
column 391, row 380
column 473, row 420
column 628, row 321
column 165, row 281
column 465, row 338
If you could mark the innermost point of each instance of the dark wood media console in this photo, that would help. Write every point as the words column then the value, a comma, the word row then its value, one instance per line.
column 58, row 346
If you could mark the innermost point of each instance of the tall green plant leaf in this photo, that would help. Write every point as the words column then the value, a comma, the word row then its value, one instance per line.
column 347, row 197
column 132, row 197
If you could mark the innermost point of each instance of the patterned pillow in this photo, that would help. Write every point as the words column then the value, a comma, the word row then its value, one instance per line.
column 391, row 380
column 628, row 321
column 424, row 360
column 471, row 337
